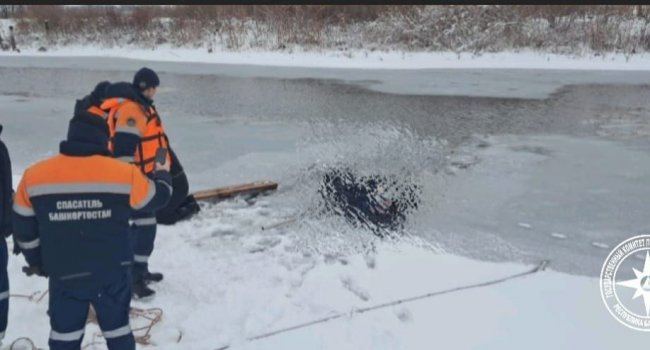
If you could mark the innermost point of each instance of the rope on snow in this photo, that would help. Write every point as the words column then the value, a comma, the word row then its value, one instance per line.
column 153, row 316
column 23, row 339
column 539, row 267
column 35, row 297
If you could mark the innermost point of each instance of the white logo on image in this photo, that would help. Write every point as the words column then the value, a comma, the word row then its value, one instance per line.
column 625, row 283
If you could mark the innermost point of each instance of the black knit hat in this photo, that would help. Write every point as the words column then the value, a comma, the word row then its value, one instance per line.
column 88, row 128
column 99, row 93
column 145, row 78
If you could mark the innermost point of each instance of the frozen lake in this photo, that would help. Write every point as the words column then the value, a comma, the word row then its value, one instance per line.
column 515, row 164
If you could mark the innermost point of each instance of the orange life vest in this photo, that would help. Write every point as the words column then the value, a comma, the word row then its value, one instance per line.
column 125, row 115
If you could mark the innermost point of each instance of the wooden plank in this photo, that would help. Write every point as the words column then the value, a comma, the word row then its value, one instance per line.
column 230, row 191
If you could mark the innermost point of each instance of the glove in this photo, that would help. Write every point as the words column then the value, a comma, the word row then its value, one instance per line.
column 33, row 270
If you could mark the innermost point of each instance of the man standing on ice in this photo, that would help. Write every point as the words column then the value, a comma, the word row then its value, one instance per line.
column 71, row 217
column 138, row 136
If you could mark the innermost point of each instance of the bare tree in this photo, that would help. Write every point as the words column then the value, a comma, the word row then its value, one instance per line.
column 10, row 11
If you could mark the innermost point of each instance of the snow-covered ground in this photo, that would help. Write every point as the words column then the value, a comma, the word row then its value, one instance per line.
column 225, row 283
column 358, row 59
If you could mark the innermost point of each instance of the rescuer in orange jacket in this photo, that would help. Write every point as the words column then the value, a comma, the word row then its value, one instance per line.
column 71, row 221
column 138, row 134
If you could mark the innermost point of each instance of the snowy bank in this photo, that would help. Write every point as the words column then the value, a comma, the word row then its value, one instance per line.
column 557, row 29
column 359, row 59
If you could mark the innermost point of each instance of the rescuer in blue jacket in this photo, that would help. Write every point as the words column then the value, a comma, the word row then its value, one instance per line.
column 6, row 192
column 137, row 133
column 71, row 221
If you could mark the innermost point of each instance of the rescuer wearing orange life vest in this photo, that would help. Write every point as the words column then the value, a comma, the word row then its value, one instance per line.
column 181, row 206
column 138, row 134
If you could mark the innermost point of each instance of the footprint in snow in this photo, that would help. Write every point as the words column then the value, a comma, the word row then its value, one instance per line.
column 351, row 285
column 371, row 263
column 404, row 314
column 223, row 232
column 264, row 244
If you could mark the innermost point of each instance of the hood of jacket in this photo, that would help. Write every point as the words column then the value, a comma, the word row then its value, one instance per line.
column 128, row 91
column 87, row 136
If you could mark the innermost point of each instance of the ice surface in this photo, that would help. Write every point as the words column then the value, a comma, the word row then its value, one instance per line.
column 504, row 77
column 507, row 204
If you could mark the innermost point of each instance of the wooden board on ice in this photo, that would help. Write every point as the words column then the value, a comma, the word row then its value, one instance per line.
column 234, row 190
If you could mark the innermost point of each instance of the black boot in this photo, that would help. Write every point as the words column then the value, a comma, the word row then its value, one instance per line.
column 149, row 276
column 140, row 289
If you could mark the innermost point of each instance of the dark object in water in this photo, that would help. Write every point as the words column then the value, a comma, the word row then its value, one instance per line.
column 377, row 202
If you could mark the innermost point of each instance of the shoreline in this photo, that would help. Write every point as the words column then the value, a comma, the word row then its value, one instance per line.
column 358, row 59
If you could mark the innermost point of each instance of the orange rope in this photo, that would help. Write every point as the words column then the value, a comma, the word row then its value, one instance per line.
column 31, row 343
column 36, row 297
column 153, row 315
column 156, row 317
